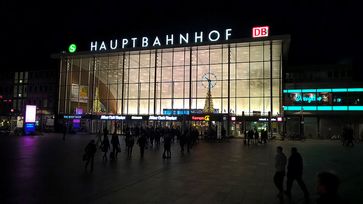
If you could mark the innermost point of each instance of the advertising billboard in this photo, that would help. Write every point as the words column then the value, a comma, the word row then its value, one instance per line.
column 30, row 113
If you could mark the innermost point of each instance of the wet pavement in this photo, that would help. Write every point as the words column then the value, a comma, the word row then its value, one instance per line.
column 45, row 169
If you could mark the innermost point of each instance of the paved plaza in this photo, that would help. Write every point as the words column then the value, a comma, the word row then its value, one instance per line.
column 45, row 169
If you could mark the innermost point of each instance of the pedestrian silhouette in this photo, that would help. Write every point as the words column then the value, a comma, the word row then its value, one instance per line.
column 105, row 147
column 89, row 155
column 280, row 166
column 167, row 146
column 115, row 145
column 129, row 144
column 294, row 172
column 327, row 188
column 142, row 143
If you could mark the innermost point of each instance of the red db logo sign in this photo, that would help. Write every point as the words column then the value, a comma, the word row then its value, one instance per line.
column 260, row 31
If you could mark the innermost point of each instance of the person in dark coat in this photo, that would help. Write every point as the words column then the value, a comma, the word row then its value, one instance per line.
column 142, row 143
column 280, row 167
column 105, row 146
column 167, row 146
column 115, row 144
column 294, row 172
column 130, row 144
column 182, row 141
column 90, row 151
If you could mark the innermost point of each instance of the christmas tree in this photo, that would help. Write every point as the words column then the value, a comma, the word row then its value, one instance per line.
column 208, row 106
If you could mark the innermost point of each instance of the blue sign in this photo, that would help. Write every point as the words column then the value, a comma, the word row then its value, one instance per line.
column 29, row 128
column 308, row 99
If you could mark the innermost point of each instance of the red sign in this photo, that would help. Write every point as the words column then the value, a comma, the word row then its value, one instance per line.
column 201, row 118
column 198, row 118
column 260, row 31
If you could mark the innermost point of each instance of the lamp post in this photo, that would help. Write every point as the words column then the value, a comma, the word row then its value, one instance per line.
column 302, row 123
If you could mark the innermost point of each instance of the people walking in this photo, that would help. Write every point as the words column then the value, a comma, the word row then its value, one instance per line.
column 280, row 166
column 167, row 146
column 142, row 143
column 294, row 172
column 105, row 146
column 89, row 156
column 115, row 145
column 129, row 144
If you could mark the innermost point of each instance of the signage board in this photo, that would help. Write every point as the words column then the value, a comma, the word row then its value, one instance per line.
column 261, row 31
column 172, row 118
column 30, row 113
column 112, row 117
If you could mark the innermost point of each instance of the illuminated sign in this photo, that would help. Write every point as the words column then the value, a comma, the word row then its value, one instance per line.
column 171, row 39
column 278, row 119
column 233, row 118
column 72, row 48
column 29, row 128
column 136, row 117
column 30, row 113
column 201, row 118
column 163, row 118
column 112, row 117
column 307, row 98
column 260, row 31
column 72, row 117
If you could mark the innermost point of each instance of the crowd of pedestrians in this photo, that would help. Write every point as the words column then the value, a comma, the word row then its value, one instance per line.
column 145, row 137
column 253, row 136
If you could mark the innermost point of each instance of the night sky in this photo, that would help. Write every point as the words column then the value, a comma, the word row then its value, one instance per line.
column 322, row 32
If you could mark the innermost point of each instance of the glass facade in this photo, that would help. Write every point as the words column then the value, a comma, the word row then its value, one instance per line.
column 246, row 78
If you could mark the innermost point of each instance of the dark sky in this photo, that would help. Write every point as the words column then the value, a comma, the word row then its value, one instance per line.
column 322, row 32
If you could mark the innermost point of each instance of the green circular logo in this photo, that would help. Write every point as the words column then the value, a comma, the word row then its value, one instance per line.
column 72, row 48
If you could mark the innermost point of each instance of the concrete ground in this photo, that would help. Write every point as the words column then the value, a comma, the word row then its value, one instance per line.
column 45, row 169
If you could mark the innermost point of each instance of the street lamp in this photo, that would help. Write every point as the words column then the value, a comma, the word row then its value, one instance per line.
column 302, row 123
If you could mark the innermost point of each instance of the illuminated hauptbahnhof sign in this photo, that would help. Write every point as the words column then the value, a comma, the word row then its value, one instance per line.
column 159, row 41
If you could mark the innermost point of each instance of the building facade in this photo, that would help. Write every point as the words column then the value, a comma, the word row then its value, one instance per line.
column 239, row 77
column 21, row 88
column 320, row 100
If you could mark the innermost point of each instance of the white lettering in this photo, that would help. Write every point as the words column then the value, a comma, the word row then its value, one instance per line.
column 124, row 42
column 157, row 41
column 200, row 37
column 212, row 36
column 153, row 118
column 136, row 117
column 103, row 46
column 171, row 39
column 113, row 46
column 211, row 33
column 94, row 46
column 133, row 42
column 163, row 118
column 112, row 117
column 228, row 33
column 185, row 39
column 145, row 42
column 120, row 117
